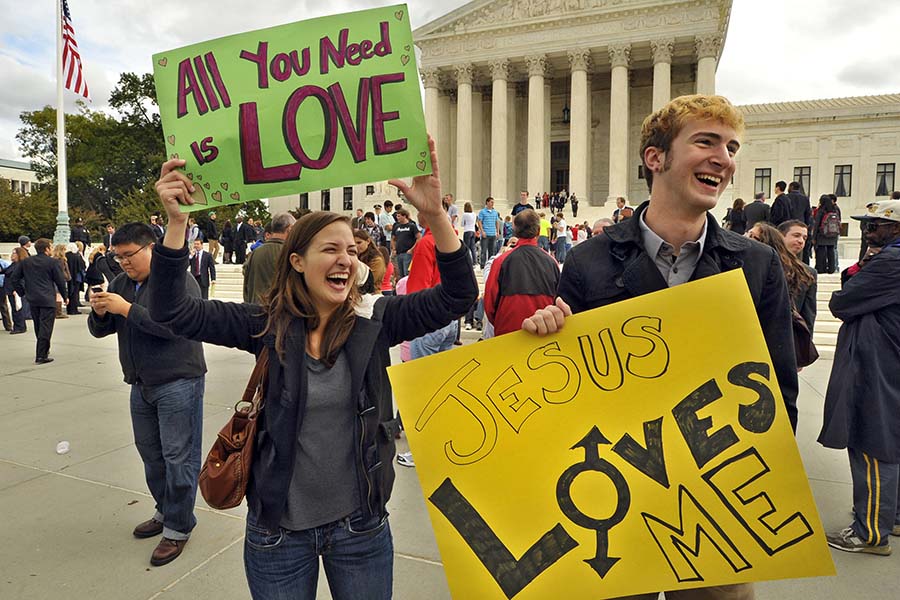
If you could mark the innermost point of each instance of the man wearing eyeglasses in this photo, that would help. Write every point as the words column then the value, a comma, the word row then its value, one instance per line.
column 167, row 376
column 862, row 403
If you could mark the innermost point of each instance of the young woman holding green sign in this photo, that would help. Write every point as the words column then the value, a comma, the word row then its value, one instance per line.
column 322, row 468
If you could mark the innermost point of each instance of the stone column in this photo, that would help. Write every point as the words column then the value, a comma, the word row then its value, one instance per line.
column 431, row 79
column 464, row 132
column 499, row 134
column 537, row 67
column 579, row 125
column 478, row 135
column 619, row 57
column 548, row 184
column 512, row 182
column 707, row 48
column 662, row 71
column 442, row 139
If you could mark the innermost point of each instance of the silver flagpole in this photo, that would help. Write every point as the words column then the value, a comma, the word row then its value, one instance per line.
column 61, row 236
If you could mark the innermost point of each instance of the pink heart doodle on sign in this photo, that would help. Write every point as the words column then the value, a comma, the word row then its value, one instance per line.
column 235, row 196
column 190, row 176
column 423, row 154
column 171, row 139
column 420, row 165
column 199, row 177
column 174, row 155
column 217, row 196
column 206, row 185
column 163, row 62
column 399, row 15
column 406, row 47
column 224, row 186
column 404, row 59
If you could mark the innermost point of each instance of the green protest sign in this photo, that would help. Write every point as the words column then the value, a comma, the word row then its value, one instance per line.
column 322, row 103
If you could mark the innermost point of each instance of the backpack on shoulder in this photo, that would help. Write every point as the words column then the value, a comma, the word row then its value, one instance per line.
column 830, row 226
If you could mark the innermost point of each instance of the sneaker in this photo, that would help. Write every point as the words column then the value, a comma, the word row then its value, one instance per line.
column 468, row 327
column 896, row 530
column 848, row 541
column 405, row 459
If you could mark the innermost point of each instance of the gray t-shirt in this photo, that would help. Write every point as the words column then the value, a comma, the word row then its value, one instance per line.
column 323, row 486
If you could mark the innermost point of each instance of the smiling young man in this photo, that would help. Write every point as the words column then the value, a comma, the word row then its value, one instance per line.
column 688, row 149
column 167, row 376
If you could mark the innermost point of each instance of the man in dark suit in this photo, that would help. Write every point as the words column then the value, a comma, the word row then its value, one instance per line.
column 781, row 210
column 158, row 230
column 203, row 269
column 243, row 234
column 757, row 210
column 107, row 237
column 38, row 280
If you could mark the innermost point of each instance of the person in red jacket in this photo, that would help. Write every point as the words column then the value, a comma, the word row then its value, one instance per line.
column 522, row 280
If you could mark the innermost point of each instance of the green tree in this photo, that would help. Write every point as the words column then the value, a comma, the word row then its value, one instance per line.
column 33, row 215
column 107, row 157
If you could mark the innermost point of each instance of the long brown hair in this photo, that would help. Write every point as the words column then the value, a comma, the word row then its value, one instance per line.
column 371, row 251
column 794, row 271
column 289, row 297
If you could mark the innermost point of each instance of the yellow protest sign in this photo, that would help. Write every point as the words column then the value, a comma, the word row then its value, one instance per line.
column 644, row 448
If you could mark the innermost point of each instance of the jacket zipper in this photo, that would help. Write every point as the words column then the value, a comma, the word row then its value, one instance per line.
column 362, row 439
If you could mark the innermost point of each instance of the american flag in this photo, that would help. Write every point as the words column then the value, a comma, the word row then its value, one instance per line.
column 74, row 78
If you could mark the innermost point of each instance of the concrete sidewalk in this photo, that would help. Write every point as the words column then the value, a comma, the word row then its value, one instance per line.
column 68, row 518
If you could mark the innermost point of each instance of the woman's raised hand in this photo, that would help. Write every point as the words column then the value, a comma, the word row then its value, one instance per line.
column 174, row 189
column 425, row 191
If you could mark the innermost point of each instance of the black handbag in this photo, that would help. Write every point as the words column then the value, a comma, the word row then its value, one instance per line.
column 804, row 348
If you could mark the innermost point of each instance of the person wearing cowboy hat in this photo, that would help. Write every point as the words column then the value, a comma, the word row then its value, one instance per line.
column 862, row 402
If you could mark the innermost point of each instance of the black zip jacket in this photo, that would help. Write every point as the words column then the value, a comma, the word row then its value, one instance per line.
column 395, row 319
column 614, row 266
column 150, row 354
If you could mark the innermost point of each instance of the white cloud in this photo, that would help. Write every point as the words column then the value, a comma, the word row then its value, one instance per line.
column 775, row 50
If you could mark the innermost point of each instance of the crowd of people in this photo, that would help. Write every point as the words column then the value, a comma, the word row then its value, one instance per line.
column 327, row 296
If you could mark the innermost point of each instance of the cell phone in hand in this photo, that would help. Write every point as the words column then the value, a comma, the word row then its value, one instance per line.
column 96, row 289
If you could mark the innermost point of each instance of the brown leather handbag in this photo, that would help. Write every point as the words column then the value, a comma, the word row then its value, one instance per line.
column 224, row 476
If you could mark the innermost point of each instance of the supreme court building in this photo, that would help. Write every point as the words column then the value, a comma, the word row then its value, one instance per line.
column 546, row 95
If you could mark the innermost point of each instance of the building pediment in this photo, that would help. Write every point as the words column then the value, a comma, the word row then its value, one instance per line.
column 502, row 14
column 487, row 29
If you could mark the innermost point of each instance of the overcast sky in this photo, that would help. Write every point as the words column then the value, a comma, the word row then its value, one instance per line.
column 776, row 49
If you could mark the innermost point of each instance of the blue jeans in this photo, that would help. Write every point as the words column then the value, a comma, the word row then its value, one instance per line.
column 488, row 248
column 168, row 427
column 358, row 555
column 403, row 260
column 469, row 242
column 561, row 249
column 544, row 243
column 434, row 342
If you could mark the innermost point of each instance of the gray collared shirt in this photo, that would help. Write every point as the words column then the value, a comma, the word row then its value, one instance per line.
column 674, row 269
